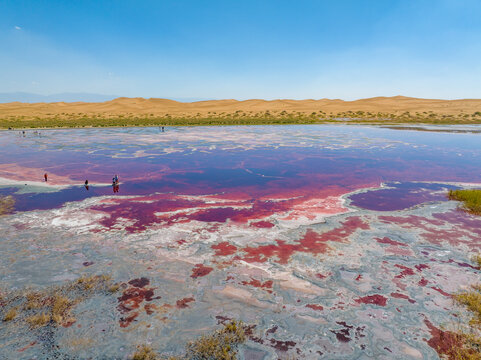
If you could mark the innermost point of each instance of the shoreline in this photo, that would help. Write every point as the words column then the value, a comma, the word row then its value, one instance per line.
column 52, row 186
column 392, row 125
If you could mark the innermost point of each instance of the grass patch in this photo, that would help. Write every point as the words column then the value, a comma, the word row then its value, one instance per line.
column 477, row 259
column 472, row 300
column 52, row 306
column 471, row 199
column 39, row 320
column 467, row 345
column 7, row 205
column 34, row 300
column 42, row 313
column 94, row 283
column 10, row 315
column 220, row 345
column 145, row 352
column 61, row 306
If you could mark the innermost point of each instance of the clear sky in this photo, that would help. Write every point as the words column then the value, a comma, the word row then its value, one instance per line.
column 242, row 49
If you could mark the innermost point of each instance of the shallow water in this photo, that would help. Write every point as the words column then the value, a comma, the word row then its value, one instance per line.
column 334, row 241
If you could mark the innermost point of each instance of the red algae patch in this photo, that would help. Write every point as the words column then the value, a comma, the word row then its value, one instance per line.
column 315, row 307
column 463, row 227
column 423, row 282
column 132, row 298
column 262, row 224
column 343, row 335
column 373, row 299
column 183, row 303
column 200, row 270
column 224, row 249
column 266, row 285
column 312, row 242
column 463, row 219
column 421, row 267
column 402, row 296
column 405, row 271
column 139, row 213
column 140, row 283
column 443, row 342
column 33, row 343
column 386, row 240
column 282, row 345
column 126, row 321
column 441, row 291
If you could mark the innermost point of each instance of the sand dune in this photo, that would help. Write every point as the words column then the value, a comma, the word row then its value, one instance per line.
column 161, row 107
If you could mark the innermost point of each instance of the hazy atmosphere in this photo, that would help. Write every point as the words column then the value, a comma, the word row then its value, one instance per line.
column 193, row 50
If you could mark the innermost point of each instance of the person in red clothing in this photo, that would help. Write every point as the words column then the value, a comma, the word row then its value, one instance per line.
column 45, row 176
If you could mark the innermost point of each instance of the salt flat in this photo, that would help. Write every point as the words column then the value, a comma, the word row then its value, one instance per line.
column 328, row 241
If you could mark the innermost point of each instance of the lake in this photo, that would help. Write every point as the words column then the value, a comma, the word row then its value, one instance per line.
column 329, row 241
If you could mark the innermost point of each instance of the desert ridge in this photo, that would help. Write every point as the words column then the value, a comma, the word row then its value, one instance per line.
column 162, row 107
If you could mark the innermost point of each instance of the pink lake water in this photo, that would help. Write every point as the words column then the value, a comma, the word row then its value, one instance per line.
column 331, row 241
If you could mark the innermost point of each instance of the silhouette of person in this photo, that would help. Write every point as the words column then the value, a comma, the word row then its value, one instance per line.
column 86, row 184
column 45, row 176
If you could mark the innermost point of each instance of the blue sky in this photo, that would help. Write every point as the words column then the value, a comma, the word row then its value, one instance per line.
column 243, row 49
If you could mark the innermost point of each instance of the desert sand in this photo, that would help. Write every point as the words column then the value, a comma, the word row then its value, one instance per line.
column 161, row 107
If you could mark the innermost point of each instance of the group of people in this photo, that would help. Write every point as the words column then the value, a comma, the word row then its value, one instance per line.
column 115, row 182
column 23, row 133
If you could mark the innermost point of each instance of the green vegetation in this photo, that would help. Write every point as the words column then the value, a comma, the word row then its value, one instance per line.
column 477, row 259
column 53, row 306
column 471, row 199
column 44, row 311
column 7, row 204
column 219, row 345
column 145, row 352
column 466, row 342
column 10, row 315
column 239, row 117
column 472, row 300
column 467, row 345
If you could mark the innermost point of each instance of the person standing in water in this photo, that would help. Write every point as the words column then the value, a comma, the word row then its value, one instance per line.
column 86, row 184
column 45, row 177
column 115, row 183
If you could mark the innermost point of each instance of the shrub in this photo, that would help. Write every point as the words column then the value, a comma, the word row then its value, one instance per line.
column 471, row 199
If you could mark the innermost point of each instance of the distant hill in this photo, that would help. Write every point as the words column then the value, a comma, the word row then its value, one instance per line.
column 65, row 97
column 160, row 107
